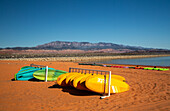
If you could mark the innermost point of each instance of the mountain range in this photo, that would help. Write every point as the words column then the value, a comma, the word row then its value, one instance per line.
column 63, row 45
column 65, row 49
column 60, row 45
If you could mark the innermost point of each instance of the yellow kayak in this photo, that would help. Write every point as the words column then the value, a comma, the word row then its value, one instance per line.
column 96, row 84
column 61, row 79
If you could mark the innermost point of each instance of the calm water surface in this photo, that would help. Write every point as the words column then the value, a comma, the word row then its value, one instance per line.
column 156, row 61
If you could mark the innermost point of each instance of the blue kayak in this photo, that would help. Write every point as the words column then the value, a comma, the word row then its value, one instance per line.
column 26, row 73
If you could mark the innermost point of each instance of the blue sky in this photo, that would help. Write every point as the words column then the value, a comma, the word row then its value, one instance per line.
column 30, row 23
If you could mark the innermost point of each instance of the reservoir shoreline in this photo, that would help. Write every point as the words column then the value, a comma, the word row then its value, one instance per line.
column 85, row 59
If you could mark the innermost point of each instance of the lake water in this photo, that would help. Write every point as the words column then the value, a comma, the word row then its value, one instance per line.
column 156, row 61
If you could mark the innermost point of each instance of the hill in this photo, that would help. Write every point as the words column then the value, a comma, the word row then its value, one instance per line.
column 60, row 45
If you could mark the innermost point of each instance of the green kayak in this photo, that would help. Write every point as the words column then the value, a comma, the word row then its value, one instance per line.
column 158, row 69
column 52, row 74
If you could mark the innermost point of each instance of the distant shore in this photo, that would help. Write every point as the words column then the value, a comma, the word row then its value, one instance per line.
column 90, row 58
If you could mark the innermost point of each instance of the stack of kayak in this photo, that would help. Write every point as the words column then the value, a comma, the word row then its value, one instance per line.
column 93, row 82
column 120, row 66
column 27, row 73
column 150, row 68
column 137, row 67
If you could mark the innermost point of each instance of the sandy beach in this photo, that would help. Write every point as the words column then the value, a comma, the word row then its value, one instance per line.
column 149, row 91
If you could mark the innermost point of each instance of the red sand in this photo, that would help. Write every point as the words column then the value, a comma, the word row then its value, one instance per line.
column 150, row 91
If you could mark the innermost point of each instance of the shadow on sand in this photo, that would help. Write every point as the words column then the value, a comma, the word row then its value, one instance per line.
column 13, row 79
column 32, row 80
column 74, row 91
column 35, row 80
